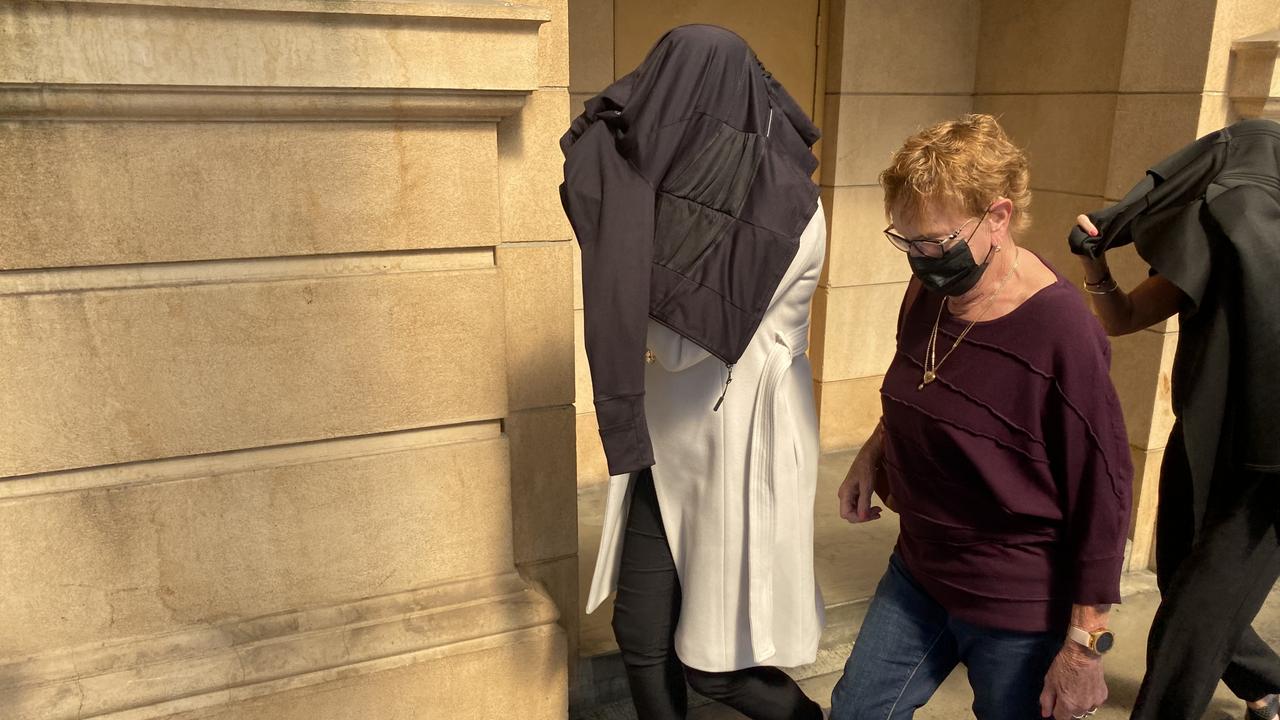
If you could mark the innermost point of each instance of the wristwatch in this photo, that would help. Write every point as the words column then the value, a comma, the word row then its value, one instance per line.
column 1099, row 641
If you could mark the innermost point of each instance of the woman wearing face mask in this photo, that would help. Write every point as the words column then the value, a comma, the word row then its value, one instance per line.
column 1001, row 446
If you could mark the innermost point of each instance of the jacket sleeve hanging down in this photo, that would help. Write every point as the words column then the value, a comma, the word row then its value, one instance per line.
column 611, row 209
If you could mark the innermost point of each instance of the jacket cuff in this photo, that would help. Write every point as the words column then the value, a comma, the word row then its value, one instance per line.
column 1097, row 581
column 624, row 432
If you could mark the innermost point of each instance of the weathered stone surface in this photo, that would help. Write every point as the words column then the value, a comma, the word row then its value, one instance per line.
column 531, row 169
column 1146, row 495
column 258, row 319
column 559, row 578
column 1067, row 137
column 590, row 46
column 1237, row 20
column 854, row 330
column 1254, row 82
column 1148, row 127
column 119, row 375
column 543, row 483
column 1141, row 369
column 1167, row 46
column 864, row 130
column 538, row 293
column 553, row 42
column 858, row 252
column 276, row 44
column 869, row 40
column 114, row 193
column 848, row 410
column 456, row 686
column 222, row 670
column 154, row 548
column 1026, row 47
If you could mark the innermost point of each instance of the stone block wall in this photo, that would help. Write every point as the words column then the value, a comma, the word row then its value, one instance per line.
column 286, row 319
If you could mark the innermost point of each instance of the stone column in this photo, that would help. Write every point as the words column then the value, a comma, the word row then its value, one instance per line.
column 892, row 69
column 536, row 260
column 284, row 319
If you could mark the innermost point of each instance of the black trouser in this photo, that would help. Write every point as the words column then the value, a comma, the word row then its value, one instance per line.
column 645, row 614
column 1212, row 585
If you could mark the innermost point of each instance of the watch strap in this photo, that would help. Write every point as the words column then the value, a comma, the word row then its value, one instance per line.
column 1080, row 635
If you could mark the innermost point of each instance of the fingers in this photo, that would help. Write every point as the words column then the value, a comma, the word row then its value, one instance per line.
column 1064, row 710
column 866, row 511
column 844, row 494
column 1087, row 225
column 855, row 501
column 864, row 501
column 1046, row 703
column 1067, row 711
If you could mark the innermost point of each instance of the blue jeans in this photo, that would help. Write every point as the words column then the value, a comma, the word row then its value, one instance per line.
column 909, row 644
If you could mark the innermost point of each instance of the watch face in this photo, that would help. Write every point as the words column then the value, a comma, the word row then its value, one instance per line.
column 1103, row 642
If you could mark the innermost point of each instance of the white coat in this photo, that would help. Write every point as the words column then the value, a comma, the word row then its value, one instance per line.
column 736, row 487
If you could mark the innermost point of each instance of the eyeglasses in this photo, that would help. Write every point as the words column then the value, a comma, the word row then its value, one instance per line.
column 931, row 247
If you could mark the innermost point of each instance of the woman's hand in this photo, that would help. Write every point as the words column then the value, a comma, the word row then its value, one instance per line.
column 1121, row 313
column 1095, row 269
column 1087, row 225
column 1075, row 686
column 855, row 492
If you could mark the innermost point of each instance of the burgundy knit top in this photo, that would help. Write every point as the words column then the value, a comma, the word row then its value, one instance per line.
column 1011, row 471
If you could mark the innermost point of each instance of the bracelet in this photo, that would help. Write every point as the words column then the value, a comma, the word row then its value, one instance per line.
column 1098, row 289
column 1105, row 286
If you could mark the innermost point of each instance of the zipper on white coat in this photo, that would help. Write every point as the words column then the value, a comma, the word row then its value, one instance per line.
column 726, row 389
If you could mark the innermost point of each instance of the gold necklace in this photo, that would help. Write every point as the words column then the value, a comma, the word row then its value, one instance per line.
column 931, row 362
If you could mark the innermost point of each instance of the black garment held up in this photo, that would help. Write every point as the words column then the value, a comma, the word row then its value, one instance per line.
column 1205, row 219
column 688, row 185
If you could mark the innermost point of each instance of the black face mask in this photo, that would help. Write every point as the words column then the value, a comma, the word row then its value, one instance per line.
column 954, row 273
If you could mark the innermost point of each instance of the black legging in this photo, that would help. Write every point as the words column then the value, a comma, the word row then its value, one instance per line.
column 1212, row 584
column 645, row 614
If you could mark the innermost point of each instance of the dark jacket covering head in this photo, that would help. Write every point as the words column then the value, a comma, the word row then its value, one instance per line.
column 688, row 185
column 1207, row 218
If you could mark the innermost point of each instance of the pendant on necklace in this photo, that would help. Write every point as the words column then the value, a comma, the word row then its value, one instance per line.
column 929, row 376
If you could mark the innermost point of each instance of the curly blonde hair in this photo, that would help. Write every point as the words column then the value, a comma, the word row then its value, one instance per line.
column 969, row 163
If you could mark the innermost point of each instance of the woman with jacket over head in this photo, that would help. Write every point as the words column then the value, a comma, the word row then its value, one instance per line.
column 1205, row 219
column 688, row 186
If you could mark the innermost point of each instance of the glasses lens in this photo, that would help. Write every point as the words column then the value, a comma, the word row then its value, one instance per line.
column 931, row 248
column 898, row 241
